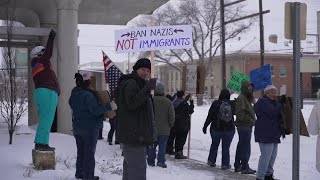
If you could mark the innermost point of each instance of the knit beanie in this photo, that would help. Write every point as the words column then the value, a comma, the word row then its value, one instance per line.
column 142, row 63
column 180, row 94
column 159, row 88
column 269, row 87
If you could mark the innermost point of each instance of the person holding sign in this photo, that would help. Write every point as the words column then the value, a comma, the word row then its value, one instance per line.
column 179, row 133
column 135, row 119
column 244, row 122
column 269, row 128
column 87, row 119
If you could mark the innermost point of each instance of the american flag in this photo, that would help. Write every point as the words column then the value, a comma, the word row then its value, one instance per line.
column 112, row 74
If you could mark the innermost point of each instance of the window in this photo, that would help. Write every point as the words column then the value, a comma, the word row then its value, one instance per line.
column 283, row 71
column 171, row 75
column 272, row 70
column 176, row 76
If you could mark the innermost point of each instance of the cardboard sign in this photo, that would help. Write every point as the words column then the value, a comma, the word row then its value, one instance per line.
column 153, row 38
column 234, row 83
column 287, row 117
column 191, row 79
column 103, row 99
column 261, row 77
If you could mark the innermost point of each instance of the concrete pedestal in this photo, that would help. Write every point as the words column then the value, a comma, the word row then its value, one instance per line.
column 43, row 160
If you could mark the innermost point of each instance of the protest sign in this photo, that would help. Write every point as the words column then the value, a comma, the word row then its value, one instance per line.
column 153, row 38
column 234, row 83
column 191, row 79
column 261, row 77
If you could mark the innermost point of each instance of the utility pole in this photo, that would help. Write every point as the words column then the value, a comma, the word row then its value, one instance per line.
column 261, row 34
column 223, row 23
column 223, row 44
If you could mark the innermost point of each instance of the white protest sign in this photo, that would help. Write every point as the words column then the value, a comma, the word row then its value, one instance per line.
column 191, row 79
column 153, row 38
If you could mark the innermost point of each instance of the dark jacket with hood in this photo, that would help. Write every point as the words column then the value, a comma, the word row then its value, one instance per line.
column 182, row 114
column 212, row 118
column 135, row 113
column 245, row 115
column 269, row 124
column 164, row 111
column 87, row 114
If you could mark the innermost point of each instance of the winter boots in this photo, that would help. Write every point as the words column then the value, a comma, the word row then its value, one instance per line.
column 211, row 164
column 179, row 155
column 225, row 167
column 43, row 147
column 237, row 169
column 94, row 178
column 163, row 165
column 248, row 171
column 270, row 177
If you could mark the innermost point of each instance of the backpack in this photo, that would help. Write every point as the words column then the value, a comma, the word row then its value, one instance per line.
column 225, row 112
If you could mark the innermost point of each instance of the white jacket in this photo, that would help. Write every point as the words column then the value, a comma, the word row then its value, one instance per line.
column 314, row 129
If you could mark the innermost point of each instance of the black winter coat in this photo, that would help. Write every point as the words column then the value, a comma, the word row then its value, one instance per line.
column 135, row 113
column 212, row 118
column 182, row 114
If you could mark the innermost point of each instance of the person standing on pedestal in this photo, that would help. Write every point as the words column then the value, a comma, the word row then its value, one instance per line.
column 46, row 92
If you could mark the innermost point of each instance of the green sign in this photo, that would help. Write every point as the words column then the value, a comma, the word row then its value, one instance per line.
column 235, row 82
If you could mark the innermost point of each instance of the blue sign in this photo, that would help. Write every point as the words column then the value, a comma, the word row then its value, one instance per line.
column 261, row 77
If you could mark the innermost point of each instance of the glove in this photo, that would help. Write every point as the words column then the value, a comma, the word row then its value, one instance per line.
column 52, row 34
column 151, row 84
column 282, row 99
column 113, row 105
column 204, row 130
column 191, row 102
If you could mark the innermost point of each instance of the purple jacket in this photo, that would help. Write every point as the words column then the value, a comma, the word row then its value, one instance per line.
column 269, row 124
column 42, row 72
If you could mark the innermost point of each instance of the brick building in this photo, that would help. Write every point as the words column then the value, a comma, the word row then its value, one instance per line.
column 281, row 69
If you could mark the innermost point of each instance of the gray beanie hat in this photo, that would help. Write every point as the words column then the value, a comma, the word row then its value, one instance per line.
column 159, row 88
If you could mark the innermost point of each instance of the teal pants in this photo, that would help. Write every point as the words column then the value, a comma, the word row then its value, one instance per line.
column 46, row 100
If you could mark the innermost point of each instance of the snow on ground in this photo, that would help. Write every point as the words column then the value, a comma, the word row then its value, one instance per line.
column 16, row 162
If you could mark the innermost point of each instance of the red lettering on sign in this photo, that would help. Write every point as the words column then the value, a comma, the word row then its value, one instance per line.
column 125, row 44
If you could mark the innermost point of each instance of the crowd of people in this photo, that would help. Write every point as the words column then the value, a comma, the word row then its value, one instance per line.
column 146, row 122
column 264, row 116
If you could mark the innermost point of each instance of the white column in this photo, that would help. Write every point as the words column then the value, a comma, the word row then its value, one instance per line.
column 32, row 109
column 67, row 51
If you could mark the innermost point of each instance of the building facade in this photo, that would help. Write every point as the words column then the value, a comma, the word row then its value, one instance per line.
column 281, row 70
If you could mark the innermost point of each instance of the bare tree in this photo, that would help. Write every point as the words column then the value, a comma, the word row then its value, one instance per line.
column 204, row 16
column 14, row 89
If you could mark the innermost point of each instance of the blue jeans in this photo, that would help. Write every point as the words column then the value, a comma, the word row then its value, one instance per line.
column 162, row 143
column 243, row 148
column 113, row 125
column 86, row 148
column 226, row 137
column 267, row 158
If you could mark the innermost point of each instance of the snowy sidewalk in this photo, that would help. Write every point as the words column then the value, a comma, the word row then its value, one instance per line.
column 217, row 172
